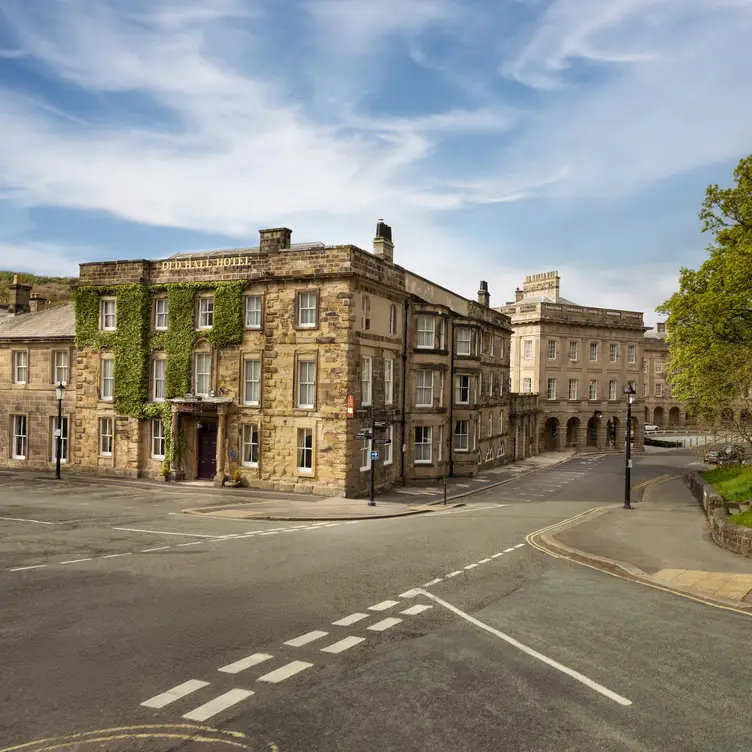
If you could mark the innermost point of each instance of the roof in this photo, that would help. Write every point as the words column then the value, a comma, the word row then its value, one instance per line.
column 544, row 299
column 254, row 249
column 57, row 321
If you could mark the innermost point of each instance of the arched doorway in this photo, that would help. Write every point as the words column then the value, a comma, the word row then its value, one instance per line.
column 612, row 428
column 573, row 427
column 674, row 417
column 658, row 417
column 592, row 432
column 550, row 434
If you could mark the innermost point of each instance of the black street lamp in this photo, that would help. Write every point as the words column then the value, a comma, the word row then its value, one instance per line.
column 59, row 392
column 630, row 392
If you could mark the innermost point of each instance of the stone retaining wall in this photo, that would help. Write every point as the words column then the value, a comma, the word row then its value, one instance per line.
column 726, row 534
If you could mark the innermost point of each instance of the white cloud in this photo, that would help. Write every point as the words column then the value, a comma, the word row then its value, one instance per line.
column 48, row 259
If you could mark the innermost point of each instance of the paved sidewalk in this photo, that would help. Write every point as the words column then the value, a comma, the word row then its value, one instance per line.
column 666, row 536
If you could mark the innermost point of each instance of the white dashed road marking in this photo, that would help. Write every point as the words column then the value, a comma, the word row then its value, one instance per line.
column 36, row 522
column 175, row 693
column 471, row 566
column 507, row 550
column 454, row 574
column 35, row 566
column 348, row 620
column 413, row 610
column 274, row 677
column 218, row 704
column 163, row 532
column 380, row 626
column 433, row 582
column 342, row 645
column 244, row 663
column 383, row 606
column 306, row 638
column 76, row 561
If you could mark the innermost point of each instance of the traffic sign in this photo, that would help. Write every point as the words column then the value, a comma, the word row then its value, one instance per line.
column 363, row 436
column 374, row 455
column 379, row 424
column 362, row 411
column 350, row 405
column 381, row 442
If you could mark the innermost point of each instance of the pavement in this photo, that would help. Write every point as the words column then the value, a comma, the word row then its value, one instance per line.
column 665, row 538
column 131, row 627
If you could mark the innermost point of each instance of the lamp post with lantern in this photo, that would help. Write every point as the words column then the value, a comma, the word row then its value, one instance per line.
column 630, row 392
column 59, row 393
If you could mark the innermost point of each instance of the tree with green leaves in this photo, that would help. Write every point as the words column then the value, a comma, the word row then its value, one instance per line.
column 709, row 321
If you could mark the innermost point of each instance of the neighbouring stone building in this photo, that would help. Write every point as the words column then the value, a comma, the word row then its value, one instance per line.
column 579, row 360
column 269, row 364
column 660, row 408
column 36, row 354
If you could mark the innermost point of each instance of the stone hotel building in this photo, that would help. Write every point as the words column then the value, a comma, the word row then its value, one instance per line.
column 283, row 365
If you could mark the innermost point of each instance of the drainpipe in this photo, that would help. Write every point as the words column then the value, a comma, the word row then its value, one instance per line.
column 451, row 397
column 403, row 424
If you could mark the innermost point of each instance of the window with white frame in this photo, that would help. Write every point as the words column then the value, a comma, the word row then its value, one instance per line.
column 631, row 353
column 644, row 390
column 464, row 340
column 527, row 385
column 461, row 428
column 489, row 453
column 365, row 454
column 157, row 439
column 388, row 448
column 425, row 331
column 593, row 351
column 19, row 444
column 424, row 388
column 60, row 366
column 574, row 350
column 202, row 373
column 462, row 389
column 612, row 389
column 107, row 314
column 633, row 385
column 593, row 390
column 573, row 389
column 490, row 384
column 159, row 366
column 388, row 381
column 251, row 445
column 105, row 437
column 63, row 439
column 306, row 384
column 476, row 433
column 659, row 366
column 551, row 389
column 442, row 334
column 659, row 390
column 307, row 309
column 252, row 381
column 527, row 349
column 612, row 352
column 393, row 319
column 20, row 366
column 500, row 450
column 490, row 423
column 366, row 380
column 645, row 366
column 423, row 446
column 552, row 349
column 500, row 348
column 161, row 306
column 305, row 450
column 107, row 385
column 253, row 312
column 501, row 422
column 206, row 312
column 365, row 321
column 491, row 344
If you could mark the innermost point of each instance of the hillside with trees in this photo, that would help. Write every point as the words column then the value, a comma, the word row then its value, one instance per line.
column 55, row 289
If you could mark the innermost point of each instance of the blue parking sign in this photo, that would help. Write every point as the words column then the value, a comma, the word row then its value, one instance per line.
column 374, row 455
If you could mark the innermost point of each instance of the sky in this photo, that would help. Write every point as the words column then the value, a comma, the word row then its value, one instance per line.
column 498, row 138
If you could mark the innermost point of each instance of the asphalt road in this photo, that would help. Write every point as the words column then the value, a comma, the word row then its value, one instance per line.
column 129, row 626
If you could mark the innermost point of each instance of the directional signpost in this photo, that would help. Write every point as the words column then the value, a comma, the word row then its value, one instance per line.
column 367, row 433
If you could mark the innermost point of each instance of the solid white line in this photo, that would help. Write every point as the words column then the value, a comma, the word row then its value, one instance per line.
column 75, row 561
column 149, row 550
column 114, row 556
column 433, row 582
column 306, row 638
column 352, row 522
column 159, row 701
column 285, row 672
column 21, row 569
column 533, row 653
column 218, row 704
column 163, row 532
column 342, row 645
column 36, row 522
column 383, row 606
column 332, row 524
column 484, row 561
column 471, row 566
column 193, row 543
column 519, row 545
column 380, row 626
column 454, row 574
column 244, row 663
column 413, row 610
column 496, row 556
column 271, row 532
column 507, row 550
column 348, row 620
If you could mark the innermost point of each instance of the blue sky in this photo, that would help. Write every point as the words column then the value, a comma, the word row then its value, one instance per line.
column 498, row 138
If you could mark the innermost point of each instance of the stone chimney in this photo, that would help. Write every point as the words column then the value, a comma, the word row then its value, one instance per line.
column 484, row 298
column 18, row 301
column 661, row 327
column 383, row 247
column 274, row 240
column 37, row 302
column 518, row 295
column 546, row 284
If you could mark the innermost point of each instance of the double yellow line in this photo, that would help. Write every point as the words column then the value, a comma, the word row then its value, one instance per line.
column 654, row 480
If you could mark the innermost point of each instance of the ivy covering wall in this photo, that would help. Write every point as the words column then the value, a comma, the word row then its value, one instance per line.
column 133, row 342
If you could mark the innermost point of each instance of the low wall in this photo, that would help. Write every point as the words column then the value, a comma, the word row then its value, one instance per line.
column 726, row 534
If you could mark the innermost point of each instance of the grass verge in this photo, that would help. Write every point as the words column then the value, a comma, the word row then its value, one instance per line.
column 743, row 518
column 733, row 483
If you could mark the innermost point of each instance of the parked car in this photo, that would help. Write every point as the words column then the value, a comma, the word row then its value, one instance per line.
column 726, row 454
column 649, row 428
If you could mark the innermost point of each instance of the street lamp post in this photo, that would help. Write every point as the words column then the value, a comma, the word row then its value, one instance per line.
column 59, row 392
column 630, row 392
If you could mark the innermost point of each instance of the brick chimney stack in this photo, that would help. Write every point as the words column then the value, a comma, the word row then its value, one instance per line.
column 484, row 297
column 37, row 302
column 18, row 297
column 518, row 295
column 383, row 247
column 275, row 239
